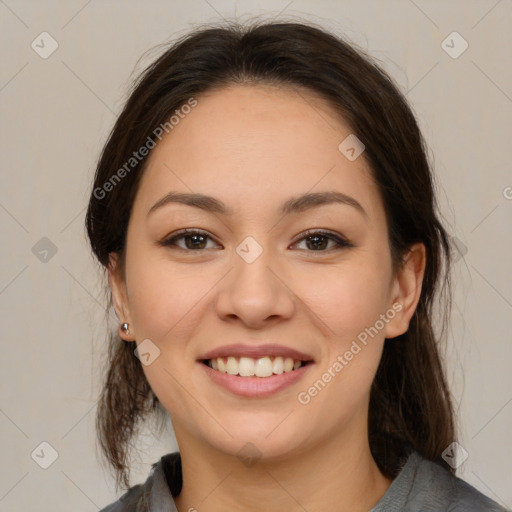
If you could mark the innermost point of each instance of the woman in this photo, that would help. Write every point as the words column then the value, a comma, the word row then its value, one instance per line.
column 265, row 212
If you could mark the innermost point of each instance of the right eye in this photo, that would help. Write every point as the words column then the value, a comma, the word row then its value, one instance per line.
column 194, row 240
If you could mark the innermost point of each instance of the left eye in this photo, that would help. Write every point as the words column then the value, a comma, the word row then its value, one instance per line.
column 319, row 240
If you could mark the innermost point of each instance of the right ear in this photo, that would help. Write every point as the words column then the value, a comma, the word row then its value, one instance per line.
column 117, row 285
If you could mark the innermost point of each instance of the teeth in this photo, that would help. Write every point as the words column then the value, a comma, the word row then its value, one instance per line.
column 288, row 364
column 249, row 367
column 232, row 366
column 278, row 366
column 246, row 367
column 264, row 367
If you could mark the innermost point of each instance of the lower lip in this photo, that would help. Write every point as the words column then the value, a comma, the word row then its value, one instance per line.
column 256, row 387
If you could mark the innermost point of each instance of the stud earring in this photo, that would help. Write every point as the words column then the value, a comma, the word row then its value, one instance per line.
column 125, row 329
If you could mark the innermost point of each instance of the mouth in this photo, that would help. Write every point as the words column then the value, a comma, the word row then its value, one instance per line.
column 262, row 367
column 255, row 371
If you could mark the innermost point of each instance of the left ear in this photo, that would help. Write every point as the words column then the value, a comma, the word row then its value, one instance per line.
column 406, row 290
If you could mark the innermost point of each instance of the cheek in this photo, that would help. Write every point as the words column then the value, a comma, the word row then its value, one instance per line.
column 347, row 299
column 167, row 305
column 350, row 305
column 350, row 301
column 165, row 298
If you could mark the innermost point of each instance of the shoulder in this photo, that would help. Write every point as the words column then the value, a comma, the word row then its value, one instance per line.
column 153, row 494
column 436, row 485
column 127, row 502
column 427, row 486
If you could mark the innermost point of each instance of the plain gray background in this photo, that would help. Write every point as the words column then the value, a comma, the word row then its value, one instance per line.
column 56, row 114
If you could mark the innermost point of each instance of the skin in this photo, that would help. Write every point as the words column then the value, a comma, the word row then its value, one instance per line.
column 253, row 147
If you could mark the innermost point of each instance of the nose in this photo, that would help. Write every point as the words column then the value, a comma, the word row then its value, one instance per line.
column 256, row 292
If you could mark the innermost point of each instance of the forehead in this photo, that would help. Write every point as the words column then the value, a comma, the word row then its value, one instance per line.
column 250, row 145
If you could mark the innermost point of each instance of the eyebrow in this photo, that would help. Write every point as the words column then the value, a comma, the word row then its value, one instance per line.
column 293, row 205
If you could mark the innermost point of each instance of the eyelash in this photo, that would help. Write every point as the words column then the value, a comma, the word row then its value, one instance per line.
column 341, row 242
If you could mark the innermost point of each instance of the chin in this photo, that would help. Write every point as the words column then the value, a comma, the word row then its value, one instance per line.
column 258, row 435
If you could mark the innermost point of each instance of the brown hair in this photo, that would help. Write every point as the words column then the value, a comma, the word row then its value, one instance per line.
column 410, row 405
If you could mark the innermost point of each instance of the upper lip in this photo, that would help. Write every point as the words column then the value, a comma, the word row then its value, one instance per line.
column 256, row 351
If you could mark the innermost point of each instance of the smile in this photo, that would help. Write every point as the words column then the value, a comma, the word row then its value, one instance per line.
column 262, row 367
column 252, row 386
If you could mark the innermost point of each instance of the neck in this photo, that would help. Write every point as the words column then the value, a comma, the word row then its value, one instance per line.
column 332, row 476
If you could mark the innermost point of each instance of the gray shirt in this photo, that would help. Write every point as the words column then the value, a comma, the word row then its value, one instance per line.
column 420, row 486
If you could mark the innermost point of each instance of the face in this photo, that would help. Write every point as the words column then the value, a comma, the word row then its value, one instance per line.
column 263, row 276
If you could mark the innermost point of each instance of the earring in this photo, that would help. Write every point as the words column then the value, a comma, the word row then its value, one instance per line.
column 125, row 329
